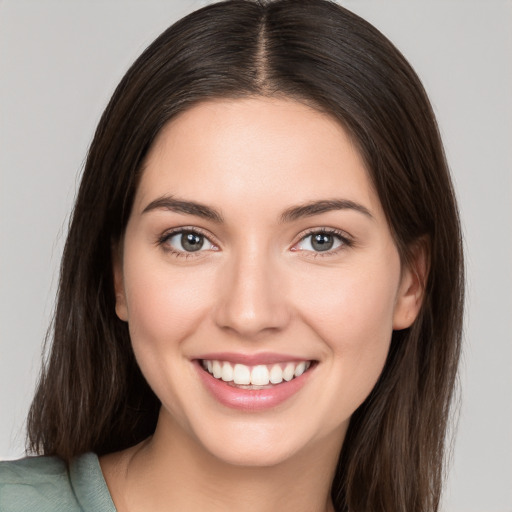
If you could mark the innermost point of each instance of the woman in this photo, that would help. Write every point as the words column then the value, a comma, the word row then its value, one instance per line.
column 261, row 290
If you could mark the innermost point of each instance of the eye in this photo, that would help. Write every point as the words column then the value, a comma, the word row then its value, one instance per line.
column 186, row 241
column 326, row 241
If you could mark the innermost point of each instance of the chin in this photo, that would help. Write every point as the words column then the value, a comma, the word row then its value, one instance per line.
column 253, row 455
column 263, row 443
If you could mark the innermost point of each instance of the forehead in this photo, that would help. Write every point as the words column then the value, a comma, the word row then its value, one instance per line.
column 255, row 151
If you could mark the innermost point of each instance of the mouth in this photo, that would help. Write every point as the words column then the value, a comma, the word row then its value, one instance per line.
column 251, row 386
column 259, row 376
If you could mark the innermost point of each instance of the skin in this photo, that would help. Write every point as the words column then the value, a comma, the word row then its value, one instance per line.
column 257, row 286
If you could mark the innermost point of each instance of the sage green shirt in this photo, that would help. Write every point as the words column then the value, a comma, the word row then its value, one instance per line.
column 44, row 484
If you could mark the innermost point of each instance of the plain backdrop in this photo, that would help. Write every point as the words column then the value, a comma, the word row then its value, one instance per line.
column 59, row 64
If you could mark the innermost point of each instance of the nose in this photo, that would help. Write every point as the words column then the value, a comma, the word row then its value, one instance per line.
column 252, row 299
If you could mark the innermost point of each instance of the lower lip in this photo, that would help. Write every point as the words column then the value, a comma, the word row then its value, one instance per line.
column 251, row 399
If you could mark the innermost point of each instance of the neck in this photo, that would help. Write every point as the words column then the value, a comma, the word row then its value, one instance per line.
column 171, row 471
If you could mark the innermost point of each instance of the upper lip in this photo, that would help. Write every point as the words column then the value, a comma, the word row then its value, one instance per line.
column 252, row 359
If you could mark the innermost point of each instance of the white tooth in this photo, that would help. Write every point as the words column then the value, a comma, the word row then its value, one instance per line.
column 301, row 367
column 241, row 374
column 288, row 372
column 227, row 372
column 209, row 366
column 276, row 374
column 217, row 369
column 259, row 375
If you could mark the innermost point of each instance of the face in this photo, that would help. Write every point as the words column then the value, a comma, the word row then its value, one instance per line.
column 259, row 279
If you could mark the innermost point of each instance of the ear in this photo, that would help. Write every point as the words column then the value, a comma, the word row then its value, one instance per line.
column 117, row 263
column 412, row 286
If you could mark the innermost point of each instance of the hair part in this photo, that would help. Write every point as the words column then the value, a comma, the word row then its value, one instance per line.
column 92, row 396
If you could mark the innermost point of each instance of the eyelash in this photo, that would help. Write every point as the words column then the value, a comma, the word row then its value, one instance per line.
column 345, row 240
column 162, row 241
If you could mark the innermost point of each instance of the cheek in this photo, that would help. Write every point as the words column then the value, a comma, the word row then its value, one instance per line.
column 165, row 306
column 164, row 303
column 351, row 305
column 353, row 315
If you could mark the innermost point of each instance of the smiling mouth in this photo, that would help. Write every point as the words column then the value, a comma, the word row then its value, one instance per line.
column 254, row 377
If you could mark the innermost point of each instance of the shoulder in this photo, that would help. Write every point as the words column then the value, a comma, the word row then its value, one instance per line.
column 45, row 484
column 34, row 483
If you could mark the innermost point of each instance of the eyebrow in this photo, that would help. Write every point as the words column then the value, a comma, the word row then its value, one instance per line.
column 326, row 205
column 289, row 215
column 189, row 207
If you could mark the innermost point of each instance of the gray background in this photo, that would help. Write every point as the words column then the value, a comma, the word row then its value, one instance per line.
column 59, row 63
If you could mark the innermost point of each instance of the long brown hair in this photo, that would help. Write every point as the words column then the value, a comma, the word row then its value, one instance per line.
column 92, row 396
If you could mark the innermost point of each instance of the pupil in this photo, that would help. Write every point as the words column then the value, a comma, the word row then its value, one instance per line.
column 322, row 242
column 191, row 241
